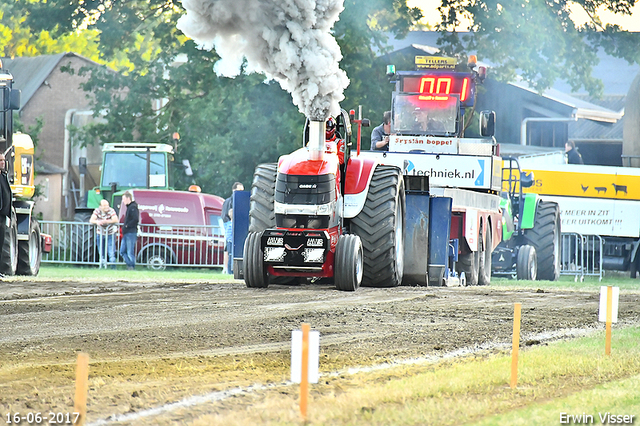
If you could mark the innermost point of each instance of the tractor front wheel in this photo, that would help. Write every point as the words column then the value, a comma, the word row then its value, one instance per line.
column 527, row 263
column 255, row 275
column 30, row 252
column 348, row 264
column 484, row 272
column 545, row 237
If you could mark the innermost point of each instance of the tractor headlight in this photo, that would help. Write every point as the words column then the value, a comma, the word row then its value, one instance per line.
column 274, row 254
column 314, row 255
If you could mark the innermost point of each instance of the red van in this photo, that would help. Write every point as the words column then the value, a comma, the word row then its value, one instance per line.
column 178, row 228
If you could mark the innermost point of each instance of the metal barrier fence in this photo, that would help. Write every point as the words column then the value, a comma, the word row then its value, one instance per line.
column 582, row 256
column 157, row 246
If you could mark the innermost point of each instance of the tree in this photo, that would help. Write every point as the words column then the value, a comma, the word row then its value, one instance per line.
column 227, row 126
column 537, row 39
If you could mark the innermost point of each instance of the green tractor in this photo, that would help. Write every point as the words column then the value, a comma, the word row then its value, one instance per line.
column 125, row 166
column 531, row 234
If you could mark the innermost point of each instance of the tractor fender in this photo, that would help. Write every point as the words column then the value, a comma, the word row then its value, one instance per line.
column 529, row 212
column 357, row 180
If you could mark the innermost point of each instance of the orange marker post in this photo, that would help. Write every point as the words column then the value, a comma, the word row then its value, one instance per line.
column 82, row 387
column 515, row 345
column 607, row 344
column 304, row 379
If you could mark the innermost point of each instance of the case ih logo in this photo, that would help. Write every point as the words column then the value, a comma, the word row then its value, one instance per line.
column 307, row 186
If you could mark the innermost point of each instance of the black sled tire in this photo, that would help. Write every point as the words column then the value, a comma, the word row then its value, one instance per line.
column 9, row 261
column 253, row 262
column 527, row 263
column 348, row 267
column 380, row 226
column 261, row 214
column 469, row 264
column 484, row 272
column 546, row 238
column 30, row 252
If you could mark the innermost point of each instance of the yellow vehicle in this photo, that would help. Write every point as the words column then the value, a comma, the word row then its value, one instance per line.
column 23, row 243
column 595, row 200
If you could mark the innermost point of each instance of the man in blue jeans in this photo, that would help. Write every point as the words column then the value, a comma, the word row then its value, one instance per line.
column 129, row 231
column 106, row 219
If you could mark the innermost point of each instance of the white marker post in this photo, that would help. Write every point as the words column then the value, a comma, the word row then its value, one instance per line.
column 608, row 311
column 305, row 357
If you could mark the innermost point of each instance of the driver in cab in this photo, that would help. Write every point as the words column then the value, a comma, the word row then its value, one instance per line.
column 425, row 123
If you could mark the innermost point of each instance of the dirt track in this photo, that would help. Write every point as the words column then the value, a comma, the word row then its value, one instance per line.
column 151, row 344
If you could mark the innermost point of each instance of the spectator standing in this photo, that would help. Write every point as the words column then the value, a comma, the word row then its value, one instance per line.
column 573, row 156
column 106, row 219
column 380, row 134
column 129, row 231
column 6, row 198
column 227, row 219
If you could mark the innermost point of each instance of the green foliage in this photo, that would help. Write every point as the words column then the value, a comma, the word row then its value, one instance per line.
column 23, row 35
column 536, row 39
column 227, row 126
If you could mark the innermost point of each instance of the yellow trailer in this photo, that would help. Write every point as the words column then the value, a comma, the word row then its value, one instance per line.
column 595, row 200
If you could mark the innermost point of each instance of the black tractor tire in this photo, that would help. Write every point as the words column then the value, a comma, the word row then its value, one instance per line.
column 30, row 251
column 484, row 272
column 469, row 263
column 380, row 226
column 348, row 268
column 83, row 239
column 253, row 262
column 527, row 263
column 9, row 261
column 261, row 213
column 546, row 238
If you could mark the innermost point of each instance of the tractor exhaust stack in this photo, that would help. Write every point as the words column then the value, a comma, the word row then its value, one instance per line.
column 317, row 136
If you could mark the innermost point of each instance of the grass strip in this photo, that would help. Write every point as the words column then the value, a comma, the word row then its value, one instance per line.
column 560, row 377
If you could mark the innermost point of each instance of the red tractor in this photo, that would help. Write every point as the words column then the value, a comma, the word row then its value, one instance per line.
column 323, row 213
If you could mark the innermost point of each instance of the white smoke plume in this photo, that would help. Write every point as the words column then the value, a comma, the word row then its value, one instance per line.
column 289, row 41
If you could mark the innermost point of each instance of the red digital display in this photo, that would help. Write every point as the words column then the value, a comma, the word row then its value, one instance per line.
column 444, row 84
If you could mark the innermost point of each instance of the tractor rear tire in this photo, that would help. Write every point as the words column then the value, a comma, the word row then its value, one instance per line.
column 484, row 272
column 9, row 262
column 348, row 267
column 253, row 262
column 527, row 263
column 83, row 239
column 30, row 251
column 546, row 238
column 261, row 213
column 380, row 226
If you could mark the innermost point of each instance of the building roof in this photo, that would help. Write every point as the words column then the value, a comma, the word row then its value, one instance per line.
column 590, row 131
column 582, row 108
column 29, row 73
